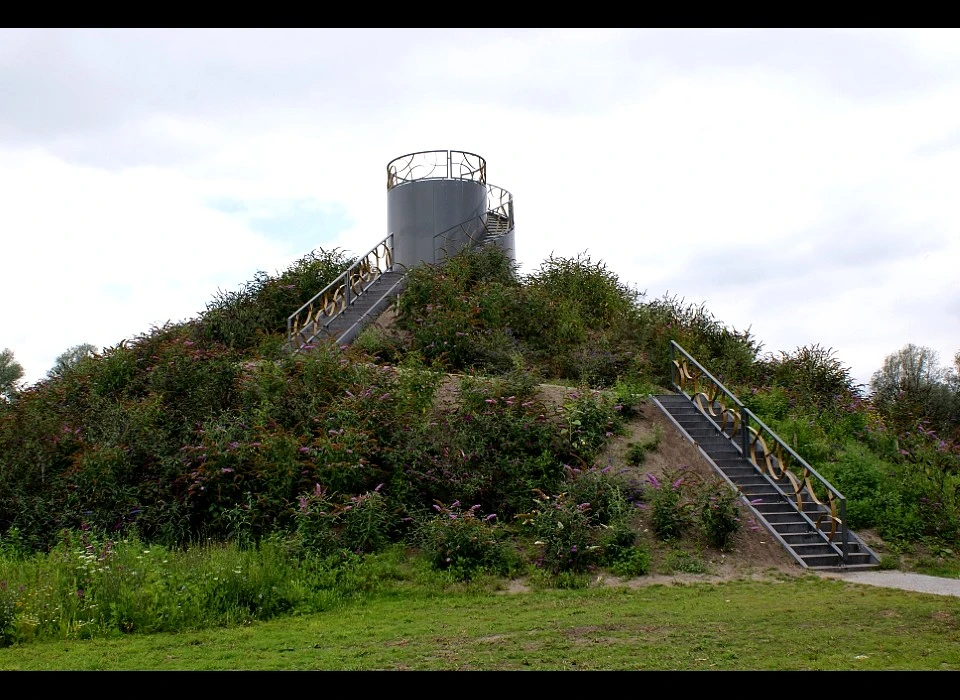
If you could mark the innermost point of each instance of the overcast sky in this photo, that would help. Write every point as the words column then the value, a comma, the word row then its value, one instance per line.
column 800, row 183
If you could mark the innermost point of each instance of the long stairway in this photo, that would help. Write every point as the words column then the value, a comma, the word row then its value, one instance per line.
column 810, row 526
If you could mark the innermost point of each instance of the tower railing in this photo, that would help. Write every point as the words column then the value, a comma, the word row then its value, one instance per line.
column 436, row 165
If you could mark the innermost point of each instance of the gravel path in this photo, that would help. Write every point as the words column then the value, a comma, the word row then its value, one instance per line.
column 907, row 582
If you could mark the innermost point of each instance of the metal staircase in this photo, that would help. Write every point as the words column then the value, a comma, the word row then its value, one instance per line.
column 799, row 508
column 342, row 309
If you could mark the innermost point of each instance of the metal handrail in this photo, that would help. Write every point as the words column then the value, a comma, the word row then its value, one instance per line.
column 315, row 316
column 779, row 463
column 436, row 165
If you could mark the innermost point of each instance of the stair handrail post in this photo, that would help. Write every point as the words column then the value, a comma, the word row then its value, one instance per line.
column 673, row 365
column 744, row 431
column 843, row 527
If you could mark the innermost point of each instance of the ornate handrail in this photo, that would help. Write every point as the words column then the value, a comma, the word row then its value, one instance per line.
column 309, row 322
column 472, row 231
column 762, row 447
column 436, row 165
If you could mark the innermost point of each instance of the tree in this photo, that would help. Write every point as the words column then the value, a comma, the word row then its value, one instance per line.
column 11, row 372
column 70, row 358
column 913, row 383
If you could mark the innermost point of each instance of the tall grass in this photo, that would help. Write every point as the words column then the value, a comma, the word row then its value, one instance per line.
column 94, row 587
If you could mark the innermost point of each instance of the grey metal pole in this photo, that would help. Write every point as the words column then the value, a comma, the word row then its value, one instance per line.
column 673, row 366
column 744, row 430
column 843, row 528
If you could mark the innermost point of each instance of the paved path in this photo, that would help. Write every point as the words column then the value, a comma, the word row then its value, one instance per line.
column 904, row 581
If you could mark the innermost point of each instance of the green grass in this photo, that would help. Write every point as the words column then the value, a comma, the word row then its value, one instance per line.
column 792, row 624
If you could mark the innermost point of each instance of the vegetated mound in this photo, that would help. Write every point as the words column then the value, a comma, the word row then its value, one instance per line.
column 211, row 429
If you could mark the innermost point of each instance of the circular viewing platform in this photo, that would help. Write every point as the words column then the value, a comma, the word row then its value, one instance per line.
column 436, row 165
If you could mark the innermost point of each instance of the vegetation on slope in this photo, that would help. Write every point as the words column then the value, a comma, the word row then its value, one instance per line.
column 209, row 431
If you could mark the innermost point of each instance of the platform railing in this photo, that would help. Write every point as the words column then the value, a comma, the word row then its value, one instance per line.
column 436, row 165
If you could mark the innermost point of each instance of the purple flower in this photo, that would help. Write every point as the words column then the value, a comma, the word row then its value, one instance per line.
column 226, row 470
column 652, row 480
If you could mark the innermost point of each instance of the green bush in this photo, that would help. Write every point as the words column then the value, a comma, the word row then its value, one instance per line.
column 464, row 541
column 671, row 512
column 631, row 561
column 719, row 514
column 565, row 534
column 637, row 451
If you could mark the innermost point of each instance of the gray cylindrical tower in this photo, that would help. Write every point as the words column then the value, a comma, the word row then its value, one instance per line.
column 439, row 202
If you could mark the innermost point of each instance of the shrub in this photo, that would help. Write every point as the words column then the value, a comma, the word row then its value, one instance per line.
column 671, row 513
column 463, row 541
column 361, row 524
column 637, row 451
column 565, row 535
column 631, row 561
column 590, row 419
column 719, row 514
column 629, row 393
column 608, row 494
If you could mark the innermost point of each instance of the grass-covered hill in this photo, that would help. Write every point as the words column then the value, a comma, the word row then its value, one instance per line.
column 211, row 429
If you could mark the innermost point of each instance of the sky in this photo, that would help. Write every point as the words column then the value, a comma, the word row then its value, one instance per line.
column 802, row 184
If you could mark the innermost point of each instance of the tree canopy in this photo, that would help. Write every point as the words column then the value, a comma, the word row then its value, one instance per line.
column 11, row 372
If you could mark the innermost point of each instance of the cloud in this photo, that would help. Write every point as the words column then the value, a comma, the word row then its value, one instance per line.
column 800, row 182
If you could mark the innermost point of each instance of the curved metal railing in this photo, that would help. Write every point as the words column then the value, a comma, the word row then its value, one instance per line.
column 312, row 320
column 436, row 165
column 495, row 221
column 763, row 448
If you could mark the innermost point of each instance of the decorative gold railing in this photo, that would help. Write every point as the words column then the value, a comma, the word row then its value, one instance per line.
column 495, row 221
column 815, row 498
column 436, row 165
column 312, row 320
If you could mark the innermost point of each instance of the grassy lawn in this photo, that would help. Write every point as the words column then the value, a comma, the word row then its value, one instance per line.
column 804, row 623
